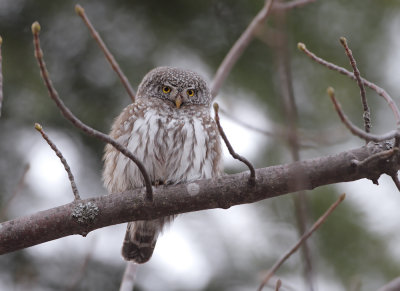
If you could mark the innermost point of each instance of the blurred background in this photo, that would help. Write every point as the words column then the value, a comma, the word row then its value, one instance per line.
column 358, row 248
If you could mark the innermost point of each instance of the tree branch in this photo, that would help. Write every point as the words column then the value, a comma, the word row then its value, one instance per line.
column 74, row 188
column 111, row 60
column 392, row 285
column 380, row 91
column 238, row 48
column 354, row 129
column 1, row 76
column 292, row 4
column 81, row 217
column 77, row 122
column 302, row 240
column 252, row 178
column 356, row 72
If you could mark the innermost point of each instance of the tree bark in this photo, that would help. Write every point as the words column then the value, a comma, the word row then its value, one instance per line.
column 83, row 216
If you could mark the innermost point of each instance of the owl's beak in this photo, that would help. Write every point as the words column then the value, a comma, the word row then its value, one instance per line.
column 178, row 102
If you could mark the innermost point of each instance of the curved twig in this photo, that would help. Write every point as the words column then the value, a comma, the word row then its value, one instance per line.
column 354, row 129
column 39, row 128
column 124, row 80
column 236, row 156
column 304, row 237
column 78, row 123
column 380, row 91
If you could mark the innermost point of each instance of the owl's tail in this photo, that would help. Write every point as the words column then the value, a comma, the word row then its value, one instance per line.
column 140, row 240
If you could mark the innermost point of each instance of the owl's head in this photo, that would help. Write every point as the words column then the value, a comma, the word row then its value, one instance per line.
column 175, row 86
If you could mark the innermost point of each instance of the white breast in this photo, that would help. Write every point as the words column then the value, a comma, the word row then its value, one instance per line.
column 172, row 148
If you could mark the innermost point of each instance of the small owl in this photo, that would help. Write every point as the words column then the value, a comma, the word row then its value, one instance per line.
column 169, row 128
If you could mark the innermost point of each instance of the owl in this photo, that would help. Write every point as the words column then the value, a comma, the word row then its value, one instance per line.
column 170, row 129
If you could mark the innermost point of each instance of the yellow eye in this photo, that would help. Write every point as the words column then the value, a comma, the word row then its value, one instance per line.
column 190, row 92
column 166, row 89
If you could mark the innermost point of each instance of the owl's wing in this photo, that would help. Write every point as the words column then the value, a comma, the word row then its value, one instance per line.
column 121, row 131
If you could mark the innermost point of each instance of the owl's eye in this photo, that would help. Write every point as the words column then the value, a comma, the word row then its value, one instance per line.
column 166, row 89
column 190, row 92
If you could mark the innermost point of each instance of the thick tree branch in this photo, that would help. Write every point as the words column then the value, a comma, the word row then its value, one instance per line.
column 81, row 217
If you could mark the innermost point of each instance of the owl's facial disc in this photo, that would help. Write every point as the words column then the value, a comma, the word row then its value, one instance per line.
column 178, row 87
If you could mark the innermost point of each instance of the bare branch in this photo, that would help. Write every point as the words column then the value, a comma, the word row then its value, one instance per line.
column 81, row 217
column 354, row 129
column 396, row 180
column 81, row 271
column 1, row 76
column 238, row 48
column 75, row 121
column 278, row 285
column 356, row 72
column 305, row 236
column 252, row 178
column 39, row 128
column 17, row 190
column 283, row 65
column 308, row 138
column 393, row 285
column 110, row 58
column 128, row 280
column 381, row 155
column 292, row 4
column 381, row 92
column 249, row 126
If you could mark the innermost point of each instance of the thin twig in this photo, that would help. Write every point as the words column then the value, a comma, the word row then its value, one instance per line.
column 128, row 280
column 252, row 178
column 320, row 138
column 393, row 285
column 291, row 116
column 381, row 92
column 39, row 128
column 82, row 270
column 356, row 72
column 381, row 155
column 396, row 180
column 75, row 121
column 305, row 236
column 17, row 190
column 110, row 58
column 278, row 285
column 292, row 4
column 248, row 125
column 354, row 129
column 1, row 76
column 238, row 48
